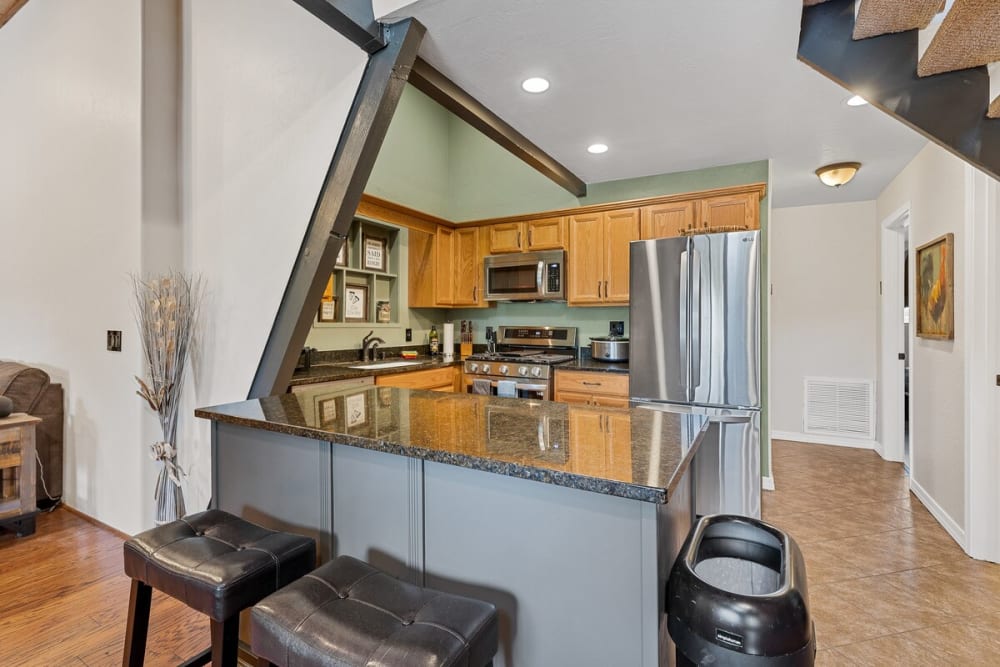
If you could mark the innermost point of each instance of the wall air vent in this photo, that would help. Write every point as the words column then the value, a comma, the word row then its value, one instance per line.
column 837, row 406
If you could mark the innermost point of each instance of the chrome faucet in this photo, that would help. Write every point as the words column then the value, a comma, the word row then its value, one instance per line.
column 368, row 345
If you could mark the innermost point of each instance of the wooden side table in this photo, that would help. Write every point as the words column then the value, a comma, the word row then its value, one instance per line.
column 17, row 473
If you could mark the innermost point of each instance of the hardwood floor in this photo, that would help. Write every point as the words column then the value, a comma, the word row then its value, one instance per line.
column 64, row 600
column 887, row 585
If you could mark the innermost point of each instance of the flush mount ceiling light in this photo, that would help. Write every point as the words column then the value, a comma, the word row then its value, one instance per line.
column 856, row 101
column 597, row 149
column 535, row 84
column 837, row 174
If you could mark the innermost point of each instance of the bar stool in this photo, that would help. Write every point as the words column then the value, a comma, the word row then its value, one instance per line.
column 215, row 563
column 349, row 613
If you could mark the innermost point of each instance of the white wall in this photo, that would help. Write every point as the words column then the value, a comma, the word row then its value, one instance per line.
column 934, row 186
column 267, row 88
column 825, row 309
column 70, row 211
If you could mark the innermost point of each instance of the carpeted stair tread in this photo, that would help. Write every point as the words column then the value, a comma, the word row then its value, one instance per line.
column 810, row 3
column 968, row 37
column 880, row 17
column 994, row 111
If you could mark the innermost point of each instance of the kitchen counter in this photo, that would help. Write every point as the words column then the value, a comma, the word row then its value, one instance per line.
column 586, row 363
column 538, row 440
column 341, row 370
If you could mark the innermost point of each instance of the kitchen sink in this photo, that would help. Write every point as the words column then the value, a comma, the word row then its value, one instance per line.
column 376, row 365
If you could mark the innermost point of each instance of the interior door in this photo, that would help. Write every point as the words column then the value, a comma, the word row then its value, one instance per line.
column 658, row 320
column 725, row 319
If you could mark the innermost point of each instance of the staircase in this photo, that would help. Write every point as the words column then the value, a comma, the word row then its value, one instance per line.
column 932, row 64
column 8, row 8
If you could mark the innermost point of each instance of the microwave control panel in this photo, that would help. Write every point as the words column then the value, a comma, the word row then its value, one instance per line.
column 553, row 279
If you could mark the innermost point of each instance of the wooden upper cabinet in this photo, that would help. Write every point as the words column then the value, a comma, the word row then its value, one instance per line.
column 671, row 219
column 421, row 270
column 444, row 266
column 730, row 213
column 585, row 280
column 540, row 234
column 621, row 228
column 468, row 267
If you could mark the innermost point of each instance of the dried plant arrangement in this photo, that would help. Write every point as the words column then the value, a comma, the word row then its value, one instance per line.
column 166, row 311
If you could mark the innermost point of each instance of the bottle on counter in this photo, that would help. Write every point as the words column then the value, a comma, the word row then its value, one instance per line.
column 433, row 339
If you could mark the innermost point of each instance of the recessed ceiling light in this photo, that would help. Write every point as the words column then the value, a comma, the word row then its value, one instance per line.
column 857, row 101
column 535, row 84
column 838, row 174
column 597, row 149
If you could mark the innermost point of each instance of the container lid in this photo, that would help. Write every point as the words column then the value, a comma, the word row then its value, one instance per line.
column 610, row 339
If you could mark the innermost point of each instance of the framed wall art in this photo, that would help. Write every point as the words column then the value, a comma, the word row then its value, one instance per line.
column 936, row 288
column 327, row 310
column 344, row 255
column 374, row 253
column 356, row 303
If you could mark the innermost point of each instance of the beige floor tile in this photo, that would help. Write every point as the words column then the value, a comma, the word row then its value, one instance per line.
column 891, row 650
column 959, row 643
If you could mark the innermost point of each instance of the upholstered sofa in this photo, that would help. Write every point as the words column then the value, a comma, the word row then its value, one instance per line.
column 33, row 392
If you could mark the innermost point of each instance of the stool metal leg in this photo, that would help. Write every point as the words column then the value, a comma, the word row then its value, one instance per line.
column 225, row 642
column 138, row 624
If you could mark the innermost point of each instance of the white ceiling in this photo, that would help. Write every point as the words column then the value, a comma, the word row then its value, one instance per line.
column 669, row 85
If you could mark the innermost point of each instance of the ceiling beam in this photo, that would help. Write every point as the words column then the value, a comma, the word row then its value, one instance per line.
column 8, row 8
column 449, row 95
column 354, row 19
column 364, row 130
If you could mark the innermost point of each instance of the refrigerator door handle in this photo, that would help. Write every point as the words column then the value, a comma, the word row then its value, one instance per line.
column 685, row 345
column 695, row 337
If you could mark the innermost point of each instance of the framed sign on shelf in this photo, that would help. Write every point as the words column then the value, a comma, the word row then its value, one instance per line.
column 344, row 255
column 328, row 310
column 375, row 250
column 356, row 303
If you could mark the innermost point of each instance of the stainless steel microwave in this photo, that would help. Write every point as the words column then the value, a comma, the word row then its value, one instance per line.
column 526, row 276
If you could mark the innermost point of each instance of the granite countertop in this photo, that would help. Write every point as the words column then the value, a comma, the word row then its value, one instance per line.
column 341, row 370
column 586, row 363
column 631, row 453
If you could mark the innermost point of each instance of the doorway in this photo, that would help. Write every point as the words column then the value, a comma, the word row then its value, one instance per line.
column 896, row 352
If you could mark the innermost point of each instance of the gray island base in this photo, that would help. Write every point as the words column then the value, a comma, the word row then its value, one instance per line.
column 566, row 517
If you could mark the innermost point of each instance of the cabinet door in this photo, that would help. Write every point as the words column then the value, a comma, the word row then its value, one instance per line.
column 420, row 270
column 730, row 213
column 434, row 379
column 610, row 401
column 618, row 429
column 573, row 397
column 621, row 228
column 586, row 260
column 546, row 234
column 673, row 219
column 467, row 263
column 506, row 237
column 444, row 266
column 587, row 443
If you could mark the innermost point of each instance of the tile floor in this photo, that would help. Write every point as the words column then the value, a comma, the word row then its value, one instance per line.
column 887, row 584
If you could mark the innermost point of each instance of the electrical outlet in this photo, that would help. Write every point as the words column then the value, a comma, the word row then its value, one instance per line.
column 114, row 341
column 409, row 335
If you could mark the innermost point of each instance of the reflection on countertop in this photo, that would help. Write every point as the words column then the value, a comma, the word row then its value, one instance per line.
column 341, row 370
column 631, row 453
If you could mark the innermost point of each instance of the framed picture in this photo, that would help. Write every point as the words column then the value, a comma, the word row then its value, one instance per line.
column 374, row 253
column 328, row 310
column 356, row 409
column 936, row 288
column 383, row 312
column 356, row 303
column 344, row 255
column 326, row 412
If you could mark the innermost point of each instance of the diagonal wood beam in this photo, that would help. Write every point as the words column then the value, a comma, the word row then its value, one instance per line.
column 354, row 19
column 8, row 8
column 367, row 123
column 448, row 94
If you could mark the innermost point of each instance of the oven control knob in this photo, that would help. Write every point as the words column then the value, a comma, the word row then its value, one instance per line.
column 523, row 370
column 473, row 368
column 486, row 369
column 504, row 370
column 536, row 371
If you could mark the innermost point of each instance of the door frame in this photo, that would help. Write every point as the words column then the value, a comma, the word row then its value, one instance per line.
column 894, row 230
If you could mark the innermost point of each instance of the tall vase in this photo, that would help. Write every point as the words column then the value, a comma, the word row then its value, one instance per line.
column 169, row 497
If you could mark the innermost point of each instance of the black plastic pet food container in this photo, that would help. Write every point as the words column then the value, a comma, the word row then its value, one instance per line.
column 737, row 596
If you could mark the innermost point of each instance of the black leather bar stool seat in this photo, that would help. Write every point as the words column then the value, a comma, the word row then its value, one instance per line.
column 215, row 563
column 349, row 613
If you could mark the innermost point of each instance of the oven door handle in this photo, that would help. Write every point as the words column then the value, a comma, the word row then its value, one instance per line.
column 519, row 386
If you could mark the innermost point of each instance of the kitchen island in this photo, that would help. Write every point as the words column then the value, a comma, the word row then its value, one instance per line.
column 566, row 517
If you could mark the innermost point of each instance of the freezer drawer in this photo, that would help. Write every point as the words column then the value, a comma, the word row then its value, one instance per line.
column 726, row 469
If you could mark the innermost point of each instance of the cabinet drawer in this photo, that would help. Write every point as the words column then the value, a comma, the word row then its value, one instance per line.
column 436, row 378
column 615, row 384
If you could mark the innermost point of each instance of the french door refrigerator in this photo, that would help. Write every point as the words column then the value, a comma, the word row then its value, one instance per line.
column 695, row 348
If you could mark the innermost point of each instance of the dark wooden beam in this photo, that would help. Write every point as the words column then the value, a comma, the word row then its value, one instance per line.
column 449, row 95
column 354, row 19
column 949, row 109
column 8, row 8
column 364, row 130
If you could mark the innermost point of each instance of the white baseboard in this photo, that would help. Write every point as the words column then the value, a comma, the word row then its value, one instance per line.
column 815, row 439
column 767, row 483
column 938, row 512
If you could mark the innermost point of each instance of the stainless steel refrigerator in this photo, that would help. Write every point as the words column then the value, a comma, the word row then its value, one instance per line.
column 695, row 347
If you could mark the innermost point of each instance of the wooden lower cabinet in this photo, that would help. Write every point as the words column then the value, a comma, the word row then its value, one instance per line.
column 600, row 443
column 592, row 388
column 435, row 379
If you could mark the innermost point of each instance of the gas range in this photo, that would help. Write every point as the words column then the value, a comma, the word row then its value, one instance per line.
column 524, row 352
